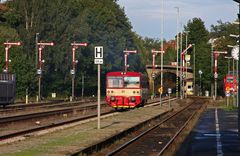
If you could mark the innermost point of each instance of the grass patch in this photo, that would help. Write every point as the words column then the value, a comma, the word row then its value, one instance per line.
column 230, row 108
column 49, row 146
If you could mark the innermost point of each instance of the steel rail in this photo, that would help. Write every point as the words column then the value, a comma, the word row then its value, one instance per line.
column 177, row 134
column 51, row 125
column 50, row 104
column 146, row 132
column 30, row 116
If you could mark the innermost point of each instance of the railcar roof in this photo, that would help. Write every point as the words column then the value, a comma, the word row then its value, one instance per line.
column 119, row 73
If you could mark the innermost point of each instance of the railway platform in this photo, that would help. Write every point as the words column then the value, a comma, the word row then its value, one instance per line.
column 215, row 134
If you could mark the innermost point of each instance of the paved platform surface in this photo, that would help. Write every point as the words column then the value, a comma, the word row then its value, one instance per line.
column 215, row 134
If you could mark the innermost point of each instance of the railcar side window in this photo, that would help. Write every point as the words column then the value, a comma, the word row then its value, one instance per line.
column 131, row 82
column 114, row 82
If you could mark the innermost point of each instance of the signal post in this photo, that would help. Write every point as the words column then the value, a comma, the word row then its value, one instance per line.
column 41, row 46
column 216, row 55
column 8, row 45
column 75, row 46
column 183, row 69
column 126, row 53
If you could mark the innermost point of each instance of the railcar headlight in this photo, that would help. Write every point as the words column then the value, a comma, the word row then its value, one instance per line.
column 134, row 92
column 112, row 98
column 133, row 99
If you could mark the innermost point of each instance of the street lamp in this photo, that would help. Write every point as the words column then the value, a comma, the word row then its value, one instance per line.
column 200, row 82
column 187, row 38
column 227, row 57
column 234, row 54
column 235, row 36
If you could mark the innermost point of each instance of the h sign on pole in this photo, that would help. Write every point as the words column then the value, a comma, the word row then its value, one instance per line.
column 98, row 55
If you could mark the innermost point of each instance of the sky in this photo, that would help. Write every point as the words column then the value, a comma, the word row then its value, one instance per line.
column 145, row 15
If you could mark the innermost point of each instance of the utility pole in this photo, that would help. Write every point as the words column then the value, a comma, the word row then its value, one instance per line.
column 82, row 85
column 194, row 70
column 238, row 1
column 36, row 50
column 177, row 73
column 212, row 69
column 162, row 20
column 181, row 65
column 211, row 42
column 185, row 64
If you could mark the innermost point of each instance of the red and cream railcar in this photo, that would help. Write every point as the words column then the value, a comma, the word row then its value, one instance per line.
column 230, row 83
column 126, row 89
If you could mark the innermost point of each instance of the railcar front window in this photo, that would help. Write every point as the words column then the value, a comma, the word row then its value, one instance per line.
column 115, row 82
column 229, row 79
column 131, row 82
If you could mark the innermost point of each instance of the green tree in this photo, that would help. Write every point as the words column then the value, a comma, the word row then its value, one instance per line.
column 220, row 34
column 199, row 35
column 97, row 22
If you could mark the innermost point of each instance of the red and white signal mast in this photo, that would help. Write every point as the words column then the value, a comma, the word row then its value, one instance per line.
column 183, row 70
column 40, row 61
column 75, row 46
column 126, row 53
column 8, row 45
column 216, row 55
column 41, row 46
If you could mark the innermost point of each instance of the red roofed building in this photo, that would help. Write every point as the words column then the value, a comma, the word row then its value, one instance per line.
column 170, row 44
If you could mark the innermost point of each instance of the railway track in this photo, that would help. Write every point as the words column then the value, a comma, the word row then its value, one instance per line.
column 29, row 123
column 152, row 137
column 15, row 108
column 43, row 105
column 156, row 140
column 19, row 124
